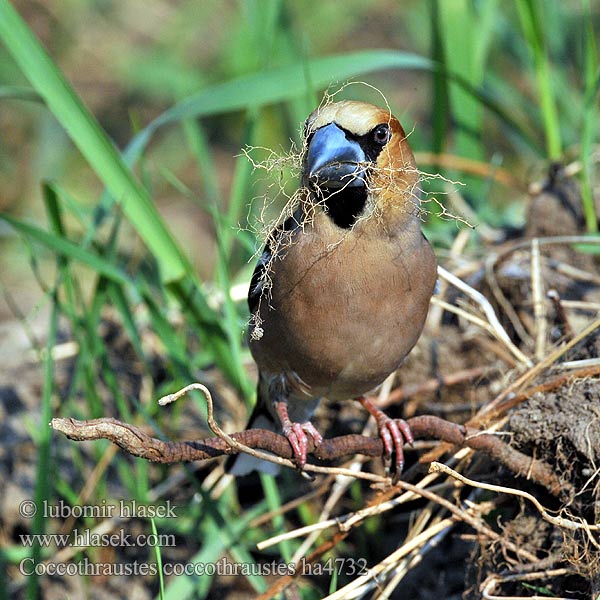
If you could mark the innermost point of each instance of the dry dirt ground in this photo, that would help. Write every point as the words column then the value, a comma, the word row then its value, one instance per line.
column 544, row 296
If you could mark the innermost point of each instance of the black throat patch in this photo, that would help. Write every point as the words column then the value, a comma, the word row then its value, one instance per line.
column 344, row 206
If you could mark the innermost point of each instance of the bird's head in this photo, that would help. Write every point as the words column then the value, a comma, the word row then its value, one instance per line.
column 357, row 161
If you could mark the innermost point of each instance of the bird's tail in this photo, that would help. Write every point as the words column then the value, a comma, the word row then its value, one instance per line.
column 261, row 418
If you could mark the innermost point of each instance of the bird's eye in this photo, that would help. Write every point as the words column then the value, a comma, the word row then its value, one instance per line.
column 382, row 134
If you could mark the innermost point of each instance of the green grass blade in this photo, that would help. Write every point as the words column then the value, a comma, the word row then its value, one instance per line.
column 44, row 454
column 92, row 141
column 532, row 19
column 64, row 247
column 276, row 85
column 440, row 112
column 490, row 98
column 218, row 536
column 464, row 32
column 159, row 563
column 273, row 498
column 241, row 181
column 13, row 92
column 591, row 73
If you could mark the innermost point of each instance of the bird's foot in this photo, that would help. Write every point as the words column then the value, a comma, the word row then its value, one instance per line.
column 297, row 434
column 393, row 433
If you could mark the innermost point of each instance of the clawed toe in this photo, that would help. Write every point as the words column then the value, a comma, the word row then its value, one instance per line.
column 297, row 434
column 394, row 433
column 399, row 432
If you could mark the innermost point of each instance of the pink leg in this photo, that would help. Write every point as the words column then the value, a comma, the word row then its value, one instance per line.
column 393, row 433
column 296, row 433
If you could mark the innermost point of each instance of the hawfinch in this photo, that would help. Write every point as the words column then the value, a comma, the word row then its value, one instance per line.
column 340, row 294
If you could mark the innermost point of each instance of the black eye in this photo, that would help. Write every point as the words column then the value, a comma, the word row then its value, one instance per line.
column 382, row 134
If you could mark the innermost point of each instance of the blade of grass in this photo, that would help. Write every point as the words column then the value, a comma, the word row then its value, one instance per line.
column 465, row 33
column 588, row 136
column 13, row 92
column 218, row 536
column 72, row 301
column 273, row 498
column 285, row 83
column 209, row 326
column 199, row 146
column 440, row 109
column 88, row 136
column 589, row 132
column 241, row 181
column 492, row 100
column 42, row 489
column 159, row 562
column 276, row 85
column 121, row 303
column 64, row 247
column 231, row 321
column 532, row 18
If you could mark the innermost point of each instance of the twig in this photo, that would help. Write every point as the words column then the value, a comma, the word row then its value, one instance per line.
column 513, row 247
column 302, row 567
column 410, row 563
column 561, row 315
column 581, row 305
column 392, row 558
column 579, row 364
column 461, row 312
column 559, row 240
column 510, row 397
column 214, row 427
column 90, row 485
column 431, row 385
column 434, row 320
column 536, row 370
column 561, row 522
column 233, row 443
column 348, row 521
column 288, row 506
column 575, row 273
column 513, row 400
column 505, row 304
column 458, row 514
column 468, row 165
column 498, row 349
column 341, row 484
column 138, row 443
column 488, row 310
column 490, row 584
column 539, row 307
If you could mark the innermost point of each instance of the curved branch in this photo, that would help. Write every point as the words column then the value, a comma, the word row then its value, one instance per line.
column 134, row 441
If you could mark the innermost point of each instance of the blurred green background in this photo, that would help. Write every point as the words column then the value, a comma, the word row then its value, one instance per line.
column 127, row 207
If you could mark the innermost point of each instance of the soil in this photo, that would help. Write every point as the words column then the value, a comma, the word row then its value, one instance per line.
column 560, row 427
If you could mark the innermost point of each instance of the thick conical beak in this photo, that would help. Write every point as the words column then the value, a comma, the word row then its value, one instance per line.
column 334, row 161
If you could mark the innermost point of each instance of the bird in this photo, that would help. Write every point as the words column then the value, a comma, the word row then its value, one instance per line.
column 341, row 291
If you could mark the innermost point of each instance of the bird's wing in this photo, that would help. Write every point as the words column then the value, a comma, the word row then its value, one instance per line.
column 274, row 241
